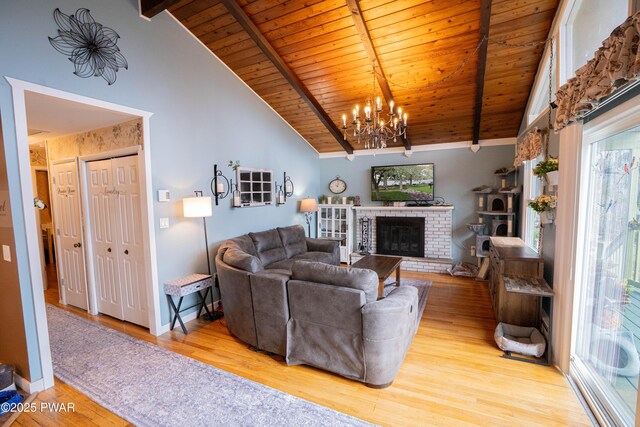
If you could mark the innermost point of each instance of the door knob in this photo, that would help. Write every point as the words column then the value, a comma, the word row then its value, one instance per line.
column 77, row 245
column 126, row 251
column 109, row 250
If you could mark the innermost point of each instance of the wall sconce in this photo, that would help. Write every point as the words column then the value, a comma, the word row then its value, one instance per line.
column 280, row 198
column 285, row 190
column 217, row 185
column 236, row 195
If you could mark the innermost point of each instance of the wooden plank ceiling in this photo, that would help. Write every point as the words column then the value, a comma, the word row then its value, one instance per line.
column 417, row 44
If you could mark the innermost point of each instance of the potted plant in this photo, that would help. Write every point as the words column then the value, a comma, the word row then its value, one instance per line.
column 548, row 169
column 351, row 199
column 545, row 205
column 356, row 200
column 322, row 199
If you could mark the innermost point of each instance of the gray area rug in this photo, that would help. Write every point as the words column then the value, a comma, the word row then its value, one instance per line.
column 150, row 386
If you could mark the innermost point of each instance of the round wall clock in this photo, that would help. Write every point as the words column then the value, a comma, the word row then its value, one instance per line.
column 337, row 185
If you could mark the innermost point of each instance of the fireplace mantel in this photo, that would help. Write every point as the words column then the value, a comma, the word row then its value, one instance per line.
column 402, row 208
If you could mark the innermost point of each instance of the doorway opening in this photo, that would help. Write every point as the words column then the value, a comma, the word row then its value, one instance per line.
column 48, row 114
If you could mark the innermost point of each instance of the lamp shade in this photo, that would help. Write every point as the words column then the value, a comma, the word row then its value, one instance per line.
column 196, row 207
column 308, row 205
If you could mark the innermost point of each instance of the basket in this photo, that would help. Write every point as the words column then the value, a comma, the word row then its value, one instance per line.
column 6, row 377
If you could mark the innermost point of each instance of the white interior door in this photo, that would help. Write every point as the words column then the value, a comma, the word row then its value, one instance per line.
column 102, row 218
column 69, row 230
column 118, row 248
column 130, row 241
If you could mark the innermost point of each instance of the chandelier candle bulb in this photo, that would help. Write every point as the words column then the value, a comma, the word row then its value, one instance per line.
column 391, row 107
column 405, row 119
column 344, row 121
column 378, row 104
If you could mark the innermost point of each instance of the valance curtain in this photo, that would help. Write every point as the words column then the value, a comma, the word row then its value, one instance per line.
column 614, row 64
column 529, row 147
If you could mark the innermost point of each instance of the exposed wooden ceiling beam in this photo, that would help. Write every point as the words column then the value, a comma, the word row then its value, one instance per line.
column 266, row 47
column 151, row 8
column 485, row 21
column 363, row 31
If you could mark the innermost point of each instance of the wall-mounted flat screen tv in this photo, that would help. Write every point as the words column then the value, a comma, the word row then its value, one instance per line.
column 402, row 183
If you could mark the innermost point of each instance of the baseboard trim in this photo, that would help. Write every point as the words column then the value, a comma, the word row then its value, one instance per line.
column 28, row 386
column 187, row 318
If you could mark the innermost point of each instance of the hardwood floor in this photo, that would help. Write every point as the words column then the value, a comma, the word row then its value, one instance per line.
column 452, row 375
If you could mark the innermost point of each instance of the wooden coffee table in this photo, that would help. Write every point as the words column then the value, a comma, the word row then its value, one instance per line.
column 383, row 265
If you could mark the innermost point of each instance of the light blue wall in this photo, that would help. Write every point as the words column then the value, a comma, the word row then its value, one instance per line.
column 457, row 171
column 203, row 115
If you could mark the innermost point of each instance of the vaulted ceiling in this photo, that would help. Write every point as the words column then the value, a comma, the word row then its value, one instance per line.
column 311, row 60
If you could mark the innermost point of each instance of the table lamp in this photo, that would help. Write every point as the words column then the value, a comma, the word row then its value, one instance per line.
column 308, row 207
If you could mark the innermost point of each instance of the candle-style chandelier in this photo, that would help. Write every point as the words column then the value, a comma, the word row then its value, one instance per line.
column 372, row 130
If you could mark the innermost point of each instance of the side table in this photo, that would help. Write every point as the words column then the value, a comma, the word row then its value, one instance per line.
column 191, row 284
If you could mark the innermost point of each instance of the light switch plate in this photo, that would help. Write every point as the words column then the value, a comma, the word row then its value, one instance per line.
column 164, row 222
column 164, row 196
column 6, row 253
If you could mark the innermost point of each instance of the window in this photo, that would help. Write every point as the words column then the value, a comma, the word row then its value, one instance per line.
column 606, row 360
column 588, row 23
column 532, row 189
column 540, row 98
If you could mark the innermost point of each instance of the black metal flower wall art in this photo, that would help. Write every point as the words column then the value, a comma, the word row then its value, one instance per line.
column 91, row 46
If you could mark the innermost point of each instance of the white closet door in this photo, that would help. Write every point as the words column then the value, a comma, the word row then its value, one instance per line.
column 69, row 230
column 103, row 220
column 130, row 241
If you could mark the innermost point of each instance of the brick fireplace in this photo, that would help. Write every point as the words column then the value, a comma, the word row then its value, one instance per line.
column 436, row 235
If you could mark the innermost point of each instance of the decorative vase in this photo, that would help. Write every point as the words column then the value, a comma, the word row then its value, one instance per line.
column 328, row 200
column 344, row 200
column 546, row 217
column 552, row 178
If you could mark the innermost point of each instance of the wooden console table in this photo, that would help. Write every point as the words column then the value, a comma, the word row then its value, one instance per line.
column 510, row 256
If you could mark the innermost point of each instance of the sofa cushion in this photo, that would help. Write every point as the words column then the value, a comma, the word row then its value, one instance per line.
column 324, row 257
column 243, row 243
column 284, row 265
column 293, row 240
column 268, row 246
column 355, row 278
column 242, row 260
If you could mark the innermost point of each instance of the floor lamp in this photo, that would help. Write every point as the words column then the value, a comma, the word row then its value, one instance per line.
column 308, row 207
column 200, row 207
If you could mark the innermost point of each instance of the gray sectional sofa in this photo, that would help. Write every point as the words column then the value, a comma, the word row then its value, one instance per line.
column 286, row 294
